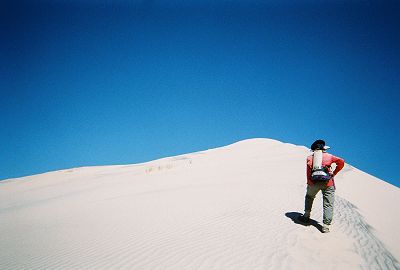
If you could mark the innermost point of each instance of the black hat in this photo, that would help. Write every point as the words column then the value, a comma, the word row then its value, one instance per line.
column 319, row 145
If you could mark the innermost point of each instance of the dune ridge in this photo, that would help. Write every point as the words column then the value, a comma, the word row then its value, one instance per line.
column 232, row 207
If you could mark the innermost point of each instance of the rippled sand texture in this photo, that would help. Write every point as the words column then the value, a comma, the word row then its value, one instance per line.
column 233, row 207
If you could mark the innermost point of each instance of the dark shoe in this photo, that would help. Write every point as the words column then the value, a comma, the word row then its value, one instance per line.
column 304, row 219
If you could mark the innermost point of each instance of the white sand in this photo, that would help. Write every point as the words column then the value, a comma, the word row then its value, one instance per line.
column 227, row 208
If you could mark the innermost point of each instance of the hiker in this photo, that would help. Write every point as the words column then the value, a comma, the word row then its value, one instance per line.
column 321, row 178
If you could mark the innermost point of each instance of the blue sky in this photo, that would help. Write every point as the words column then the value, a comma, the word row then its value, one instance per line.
column 99, row 83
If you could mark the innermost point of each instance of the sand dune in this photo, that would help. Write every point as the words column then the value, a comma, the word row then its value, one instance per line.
column 233, row 207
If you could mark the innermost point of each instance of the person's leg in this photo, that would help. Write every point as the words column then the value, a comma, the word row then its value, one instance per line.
column 328, row 202
column 312, row 190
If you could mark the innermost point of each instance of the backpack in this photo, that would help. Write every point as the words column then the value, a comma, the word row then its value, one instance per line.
column 319, row 173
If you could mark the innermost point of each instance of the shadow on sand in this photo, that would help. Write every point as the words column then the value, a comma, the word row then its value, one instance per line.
column 294, row 217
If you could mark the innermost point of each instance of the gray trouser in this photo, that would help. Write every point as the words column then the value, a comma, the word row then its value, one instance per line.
column 328, row 195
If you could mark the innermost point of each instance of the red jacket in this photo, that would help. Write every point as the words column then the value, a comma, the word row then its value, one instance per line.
column 327, row 160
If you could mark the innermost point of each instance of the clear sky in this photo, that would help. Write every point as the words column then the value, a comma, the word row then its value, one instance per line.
column 98, row 83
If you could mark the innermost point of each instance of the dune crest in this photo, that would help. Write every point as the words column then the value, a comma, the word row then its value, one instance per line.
column 233, row 207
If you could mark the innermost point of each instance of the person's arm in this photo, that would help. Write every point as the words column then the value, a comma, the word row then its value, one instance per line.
column 339, row 164
column 308, row 169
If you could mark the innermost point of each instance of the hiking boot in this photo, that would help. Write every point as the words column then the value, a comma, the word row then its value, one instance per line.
column 325, row 228
column 304, row 219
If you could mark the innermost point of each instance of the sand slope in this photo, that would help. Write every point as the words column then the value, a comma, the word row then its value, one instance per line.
column 233, row 207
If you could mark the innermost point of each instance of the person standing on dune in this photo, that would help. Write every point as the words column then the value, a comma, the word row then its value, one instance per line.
column 320, row 177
